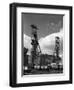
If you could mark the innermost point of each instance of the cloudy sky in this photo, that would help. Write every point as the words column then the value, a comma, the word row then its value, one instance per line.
column 49, row 26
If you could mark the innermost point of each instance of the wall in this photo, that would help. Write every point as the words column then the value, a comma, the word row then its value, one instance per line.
column 4, row 43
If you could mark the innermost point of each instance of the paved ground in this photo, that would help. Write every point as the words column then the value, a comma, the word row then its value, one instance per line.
column 43, row 72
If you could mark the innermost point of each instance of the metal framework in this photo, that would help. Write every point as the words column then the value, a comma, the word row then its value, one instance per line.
column 35, row 51
column 57, row 48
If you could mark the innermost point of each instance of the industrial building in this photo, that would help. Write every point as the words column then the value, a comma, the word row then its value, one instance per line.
column 38, row 61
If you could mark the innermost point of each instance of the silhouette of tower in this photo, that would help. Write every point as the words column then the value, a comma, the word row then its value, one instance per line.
column 57, row 48
column 35, row 51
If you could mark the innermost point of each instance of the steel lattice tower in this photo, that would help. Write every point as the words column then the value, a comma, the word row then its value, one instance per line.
column 57, row 48
column 35, row 51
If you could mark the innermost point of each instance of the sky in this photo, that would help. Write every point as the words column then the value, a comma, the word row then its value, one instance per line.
column 49, row 26
column 47, row 23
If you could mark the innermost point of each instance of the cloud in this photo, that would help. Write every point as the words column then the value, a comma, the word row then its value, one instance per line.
column 27, row 43
column 47, row 43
